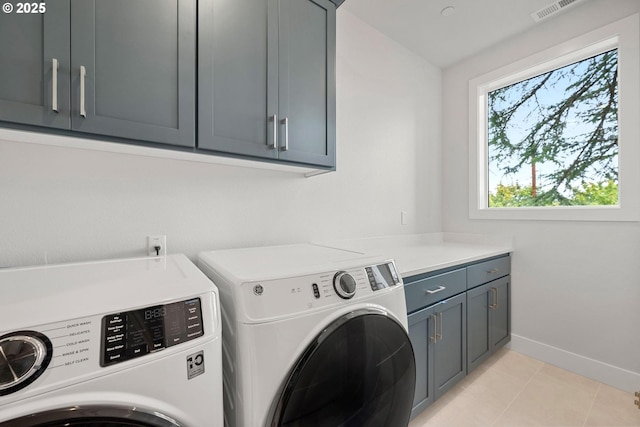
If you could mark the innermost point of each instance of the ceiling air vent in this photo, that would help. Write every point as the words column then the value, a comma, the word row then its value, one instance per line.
column 553, row 8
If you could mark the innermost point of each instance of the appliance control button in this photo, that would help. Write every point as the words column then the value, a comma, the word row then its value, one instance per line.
column 344, row 284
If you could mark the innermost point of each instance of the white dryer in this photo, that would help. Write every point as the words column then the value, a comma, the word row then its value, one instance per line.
column 115, row 343
column 312, row 337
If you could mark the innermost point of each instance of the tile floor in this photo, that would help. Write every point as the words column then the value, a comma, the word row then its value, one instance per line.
column 513, row 390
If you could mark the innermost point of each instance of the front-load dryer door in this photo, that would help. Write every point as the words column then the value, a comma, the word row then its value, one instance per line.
column 358, row 372
column 90, row 416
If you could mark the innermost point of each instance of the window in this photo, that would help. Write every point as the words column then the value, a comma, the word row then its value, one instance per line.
column 556, row 135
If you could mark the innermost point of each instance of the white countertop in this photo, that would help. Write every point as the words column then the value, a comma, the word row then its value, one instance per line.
column 421, row 253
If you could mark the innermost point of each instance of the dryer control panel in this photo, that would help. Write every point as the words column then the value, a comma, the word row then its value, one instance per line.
column 132, row 334
column 279, row 298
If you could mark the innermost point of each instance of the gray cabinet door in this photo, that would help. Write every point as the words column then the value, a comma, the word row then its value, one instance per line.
column 478, row 325
column 307, row 81
column 139, row 62
column 31, row 45
column 422, row 335
column 489, row 313
column 238, row 77
column 450, row 350
column 501, row 313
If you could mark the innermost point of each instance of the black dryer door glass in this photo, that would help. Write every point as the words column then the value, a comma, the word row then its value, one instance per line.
column 359, row 372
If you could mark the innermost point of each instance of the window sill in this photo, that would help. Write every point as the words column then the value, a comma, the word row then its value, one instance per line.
column 560, row 213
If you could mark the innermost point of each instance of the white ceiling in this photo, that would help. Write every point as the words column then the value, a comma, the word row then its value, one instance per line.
column 444, row 40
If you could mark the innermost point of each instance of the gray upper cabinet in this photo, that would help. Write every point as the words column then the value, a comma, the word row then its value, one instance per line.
column 237, row 76
column 133, row 69
column 307, row 81
column 35, row 60
column 124, row 69
column 266, row 75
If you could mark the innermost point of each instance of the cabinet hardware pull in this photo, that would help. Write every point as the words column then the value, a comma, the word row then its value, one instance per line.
column 434, row 338
column 285, row 122
column 494, row 299
column 54, row 84
column 435, row 291
column 493, row 271
column 439, row 336
column 83, row 73
column 274, row 143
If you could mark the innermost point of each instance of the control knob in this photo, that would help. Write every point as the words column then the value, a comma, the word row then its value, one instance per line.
column 344, row 284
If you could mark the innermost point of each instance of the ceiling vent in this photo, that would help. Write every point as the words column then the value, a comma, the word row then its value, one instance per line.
column 552, row 9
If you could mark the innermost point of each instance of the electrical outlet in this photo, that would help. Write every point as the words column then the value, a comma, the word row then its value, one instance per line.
column 404, row 218
column 156, row 245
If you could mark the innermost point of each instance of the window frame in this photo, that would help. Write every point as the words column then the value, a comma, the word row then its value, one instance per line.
column 623, row 35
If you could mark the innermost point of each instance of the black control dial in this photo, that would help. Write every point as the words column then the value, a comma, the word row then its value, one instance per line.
column 23, row 357
column 344, row 284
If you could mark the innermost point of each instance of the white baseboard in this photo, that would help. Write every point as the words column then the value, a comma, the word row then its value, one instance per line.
column 590, row 368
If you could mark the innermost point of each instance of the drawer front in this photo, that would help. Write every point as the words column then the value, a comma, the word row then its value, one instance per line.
column 428, row 291
column 487, row 271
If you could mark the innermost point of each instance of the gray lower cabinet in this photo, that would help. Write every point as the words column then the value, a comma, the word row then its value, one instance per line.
column 457, row 318
column 266, row 79
column 488, row 314
column 108, row 67
column 422, row 335
column 438, row 337
column 450, row 349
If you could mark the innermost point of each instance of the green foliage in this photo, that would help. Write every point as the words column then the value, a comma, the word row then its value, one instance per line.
column 601, row 193
column 566, row 122
column 587, row 194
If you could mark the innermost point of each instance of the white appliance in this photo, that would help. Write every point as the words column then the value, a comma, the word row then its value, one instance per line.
column 312, row 336
column 114, row 343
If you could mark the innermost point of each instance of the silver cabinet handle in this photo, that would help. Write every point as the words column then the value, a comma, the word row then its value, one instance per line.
column 434, row 338
column 494, row 299
column 435, row 291
column 285, row 122
column 83, row 74
column 54, row 84
column 493, row 271
column 274, row 143
column 439, row 336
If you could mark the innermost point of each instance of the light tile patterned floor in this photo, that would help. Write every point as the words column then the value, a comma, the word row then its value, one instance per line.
column 513, row 390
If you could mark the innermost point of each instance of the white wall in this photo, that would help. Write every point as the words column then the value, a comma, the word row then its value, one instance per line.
column 576, row 285
column 81, row 205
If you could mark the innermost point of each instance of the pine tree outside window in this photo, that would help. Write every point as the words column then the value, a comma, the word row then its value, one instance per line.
column 553, row 138
column 557, row 135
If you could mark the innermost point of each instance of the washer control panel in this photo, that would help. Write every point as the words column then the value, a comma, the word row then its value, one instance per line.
column 135, row 333
column 277, row 298
column 382, row 276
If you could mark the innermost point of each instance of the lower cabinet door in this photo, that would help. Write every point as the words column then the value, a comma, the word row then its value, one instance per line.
column 501, row 313
column 479, row 326
column 422, row 335
column 489, row 313
column 450, row 349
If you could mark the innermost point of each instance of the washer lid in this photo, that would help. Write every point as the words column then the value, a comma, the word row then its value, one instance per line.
column 48, row 294
column 273, row 262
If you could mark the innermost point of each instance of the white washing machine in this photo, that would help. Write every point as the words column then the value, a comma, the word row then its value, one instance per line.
column 115, row 343
column 312, row 337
